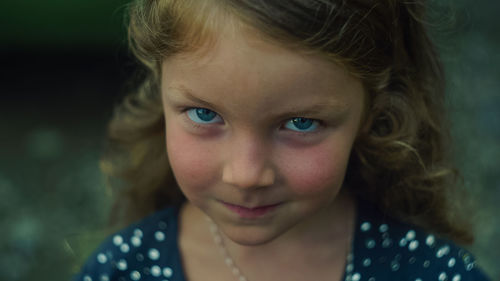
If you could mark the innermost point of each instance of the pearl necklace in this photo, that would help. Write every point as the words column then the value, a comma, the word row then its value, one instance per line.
column 228, row 260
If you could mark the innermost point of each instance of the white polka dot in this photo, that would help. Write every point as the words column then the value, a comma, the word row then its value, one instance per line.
column 443, row 251
column 413, row 245
column 370, row 243
column 365, row 226
column 155, row 271
column 117, row 240
column 418, row 279
column 386, row 243
column 371, row 279
column 138, row 233
column 136, row 241
column 135, row 275
column 87, row 278
column 122, row 265
column 469, row 267
column 451, row 262
column 430, row 240
column 383, row 228
column 410, row 235
column 153, row 254
column 403, row 242
column 167, row 272
column 367, row 262
column 356, row 277
column 442, row 276
column 350, row 257
column 101, row 258
column 457, row 277
column 349, row 267
column 159, row 236
column 395, row 265
column 124, row 248
column 427, row 263
column 104, row 277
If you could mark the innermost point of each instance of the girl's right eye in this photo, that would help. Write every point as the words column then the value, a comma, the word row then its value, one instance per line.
column 203, row 116
column 302, row 125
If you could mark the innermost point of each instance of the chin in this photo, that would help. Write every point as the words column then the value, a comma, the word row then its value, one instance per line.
column 251, row 235
column 250, row 239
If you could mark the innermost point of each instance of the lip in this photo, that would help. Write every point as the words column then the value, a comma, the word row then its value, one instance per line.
column 251, row 213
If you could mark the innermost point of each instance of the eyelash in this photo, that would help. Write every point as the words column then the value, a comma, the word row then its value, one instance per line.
column 317, row 124
column 320, row 123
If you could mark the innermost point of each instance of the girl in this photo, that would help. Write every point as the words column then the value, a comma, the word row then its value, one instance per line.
column 282, row 140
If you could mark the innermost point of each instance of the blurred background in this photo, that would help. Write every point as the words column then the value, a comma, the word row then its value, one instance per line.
column 64, row 64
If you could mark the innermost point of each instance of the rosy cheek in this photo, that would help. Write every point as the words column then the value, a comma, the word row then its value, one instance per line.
column 314, row 169
column 191, row 159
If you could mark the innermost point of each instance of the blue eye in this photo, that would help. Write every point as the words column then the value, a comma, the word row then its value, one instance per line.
column 203, row 115
column 301, row 124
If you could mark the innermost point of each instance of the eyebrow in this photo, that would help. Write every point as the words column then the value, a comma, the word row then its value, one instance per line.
column 321, row 108
column 189, row 95
column 329, row 108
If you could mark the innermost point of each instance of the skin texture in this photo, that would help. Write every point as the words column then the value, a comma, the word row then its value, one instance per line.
column 250, row 156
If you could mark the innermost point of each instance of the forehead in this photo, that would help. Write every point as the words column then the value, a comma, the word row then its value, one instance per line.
column 244, row 70
column 242, row 48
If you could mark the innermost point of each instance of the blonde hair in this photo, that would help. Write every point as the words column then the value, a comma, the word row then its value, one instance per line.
column 399, row 161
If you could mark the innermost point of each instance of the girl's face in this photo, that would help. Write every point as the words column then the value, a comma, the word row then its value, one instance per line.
column 259, row 136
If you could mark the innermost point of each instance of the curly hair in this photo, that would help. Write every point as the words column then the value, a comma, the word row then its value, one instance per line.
column 400, row 159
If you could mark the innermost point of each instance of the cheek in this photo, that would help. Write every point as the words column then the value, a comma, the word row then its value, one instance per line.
column 191, row 160
column 315, row 169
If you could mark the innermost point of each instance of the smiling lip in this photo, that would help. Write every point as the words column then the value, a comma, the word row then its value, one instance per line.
column 251, row 213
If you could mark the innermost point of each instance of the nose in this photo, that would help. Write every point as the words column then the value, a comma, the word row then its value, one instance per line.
column 248, row 164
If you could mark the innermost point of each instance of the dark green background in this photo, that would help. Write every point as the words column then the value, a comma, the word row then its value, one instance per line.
column 64, row 65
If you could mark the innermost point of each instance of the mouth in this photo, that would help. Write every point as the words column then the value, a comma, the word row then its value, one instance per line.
column 251, row 213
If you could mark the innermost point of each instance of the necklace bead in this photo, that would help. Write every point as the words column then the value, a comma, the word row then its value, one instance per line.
column 228, row 260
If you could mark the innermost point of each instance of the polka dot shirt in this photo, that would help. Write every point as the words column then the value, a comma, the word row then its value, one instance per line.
column 383, row 249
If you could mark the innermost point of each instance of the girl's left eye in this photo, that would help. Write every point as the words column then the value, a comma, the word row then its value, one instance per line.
column 301, row 124
column 203, row 116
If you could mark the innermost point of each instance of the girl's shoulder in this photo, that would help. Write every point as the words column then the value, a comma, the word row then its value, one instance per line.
column 387, row 249
column 146, row 250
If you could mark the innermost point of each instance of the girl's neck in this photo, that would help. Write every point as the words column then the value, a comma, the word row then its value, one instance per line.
column 313, row 250
column 325, row 232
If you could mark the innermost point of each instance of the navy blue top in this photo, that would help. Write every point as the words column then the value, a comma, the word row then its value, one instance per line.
column 383, row 249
